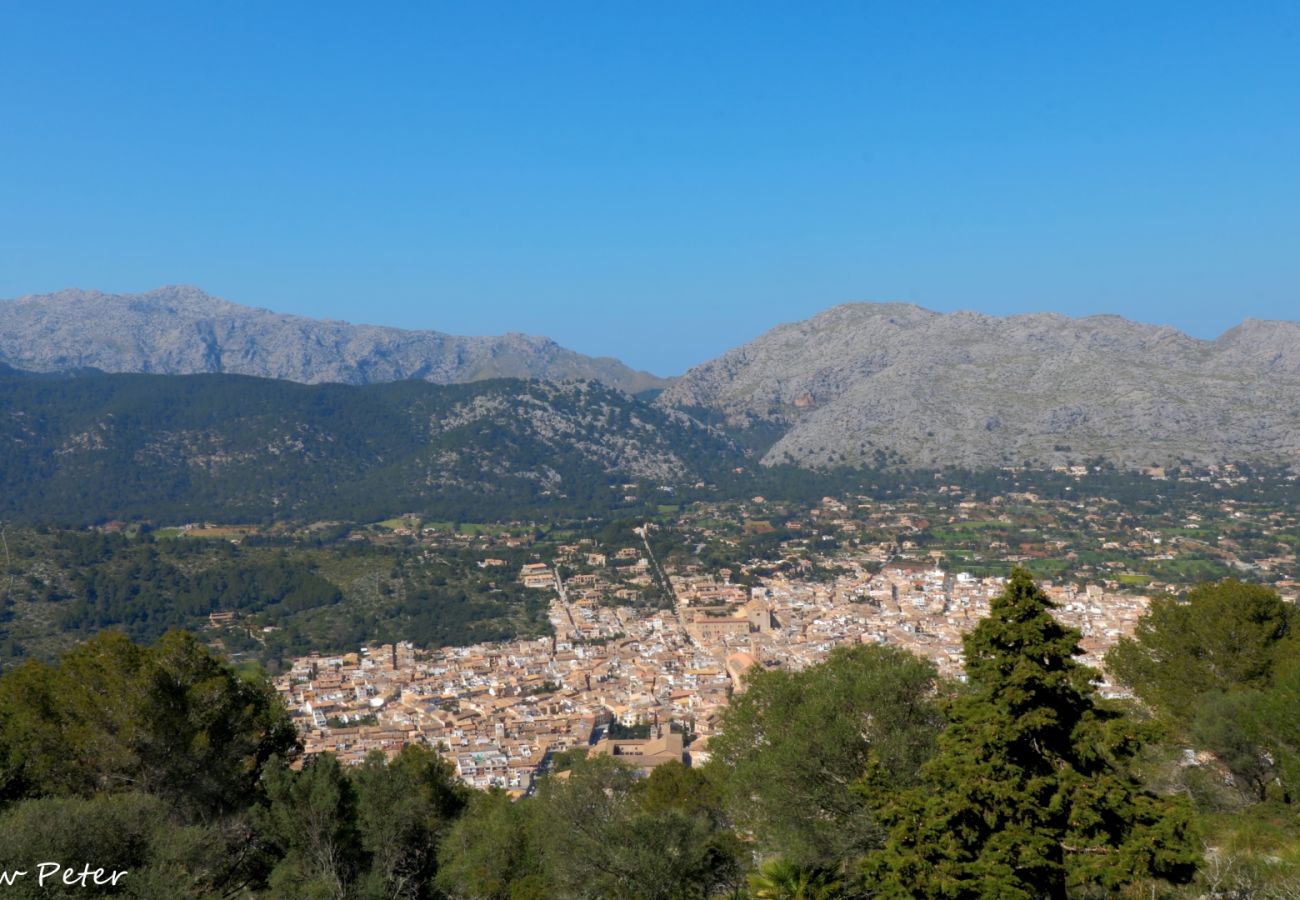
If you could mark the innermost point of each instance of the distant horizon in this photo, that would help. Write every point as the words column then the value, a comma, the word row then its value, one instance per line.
column 605, row 354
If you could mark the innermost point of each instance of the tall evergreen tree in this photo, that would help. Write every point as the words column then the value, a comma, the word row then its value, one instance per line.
column 1027, row 796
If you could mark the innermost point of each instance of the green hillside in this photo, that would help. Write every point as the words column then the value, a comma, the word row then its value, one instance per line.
column 88, row 447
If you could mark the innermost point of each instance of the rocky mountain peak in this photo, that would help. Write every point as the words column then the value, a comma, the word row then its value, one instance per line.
column 869, row 382
column 180, row 329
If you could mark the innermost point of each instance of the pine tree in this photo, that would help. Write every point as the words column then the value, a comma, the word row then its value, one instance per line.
column 791, row 747
column 1224, row 637
column 1026, row 796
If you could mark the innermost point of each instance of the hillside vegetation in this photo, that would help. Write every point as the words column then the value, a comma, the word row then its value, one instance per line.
column 90, row 446
column 861, row 777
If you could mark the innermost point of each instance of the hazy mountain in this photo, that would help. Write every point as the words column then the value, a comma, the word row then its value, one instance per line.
column 868, row 382
column 182, row 330
column 95, row 446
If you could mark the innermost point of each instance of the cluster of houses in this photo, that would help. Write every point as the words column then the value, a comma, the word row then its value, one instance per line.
column 647, row 684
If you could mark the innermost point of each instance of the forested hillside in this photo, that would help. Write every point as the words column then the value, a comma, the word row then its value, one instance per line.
column 89, row 447
column 283, row 596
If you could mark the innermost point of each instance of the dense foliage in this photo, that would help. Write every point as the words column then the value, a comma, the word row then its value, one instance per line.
column 1222, row 638
column 170, row 720
column 290, row 596
column 1028, row 795
column 91, row 447
column 859, row 777
column 1220, row 669
column 793, row 744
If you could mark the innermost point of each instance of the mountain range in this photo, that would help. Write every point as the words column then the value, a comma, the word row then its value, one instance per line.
column 860, row 384
column 183, row 331
column 892, row 383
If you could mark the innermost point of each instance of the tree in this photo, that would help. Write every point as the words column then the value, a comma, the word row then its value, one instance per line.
column 1278, row 726
column 208, row 731
column 605, row 838
column 124, row 832
column 1220, row 666
column 1027, row 795
column 172, row 720
column 778, row 879
column 1232, row 727
column 1256, row 733
column 793, row 744
column 1223, row 637
column 312, row 821
column 673, row 786
column 404, row 809
column 492, row 851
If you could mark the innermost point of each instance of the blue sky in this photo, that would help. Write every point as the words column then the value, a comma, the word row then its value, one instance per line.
column 657, row 181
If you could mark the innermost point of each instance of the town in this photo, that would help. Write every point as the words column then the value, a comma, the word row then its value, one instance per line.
column 654, row 625
column 646, row 685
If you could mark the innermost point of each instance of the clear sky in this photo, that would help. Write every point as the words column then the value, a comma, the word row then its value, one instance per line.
column 657, row 181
